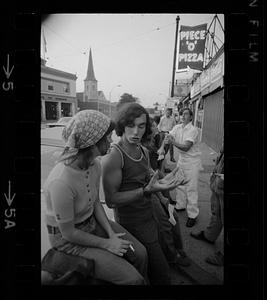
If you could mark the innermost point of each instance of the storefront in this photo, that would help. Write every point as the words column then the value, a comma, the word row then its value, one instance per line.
column 213, row 124
column 199, row 115
column 51, row 110
column 207, row 102
column 54, row 108
column 58, row 94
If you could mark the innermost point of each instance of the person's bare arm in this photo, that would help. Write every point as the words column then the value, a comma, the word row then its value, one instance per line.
column 184, row 147
column 99, row 211
column 160, row 124
column 114, row 244
column 62, row 198
column 188, row 143
column 112, row 177
column 161, row 150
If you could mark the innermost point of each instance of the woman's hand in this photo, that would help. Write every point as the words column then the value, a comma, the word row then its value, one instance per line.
column 117, row 245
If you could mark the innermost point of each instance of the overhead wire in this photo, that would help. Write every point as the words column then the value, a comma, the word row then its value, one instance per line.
column 84, row 52
column 67, row 42
column 135, row 37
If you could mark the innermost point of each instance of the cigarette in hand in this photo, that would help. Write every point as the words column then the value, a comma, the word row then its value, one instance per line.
column 132, row 248
column 220, row 175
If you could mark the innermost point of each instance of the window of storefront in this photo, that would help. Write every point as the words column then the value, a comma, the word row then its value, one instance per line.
column 66, row 110
column 51, row 110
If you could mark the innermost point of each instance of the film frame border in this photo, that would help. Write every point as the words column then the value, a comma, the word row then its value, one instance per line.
column 240, row 130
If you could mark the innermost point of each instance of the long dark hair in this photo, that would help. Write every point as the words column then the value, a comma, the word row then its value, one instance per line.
column 126, row 116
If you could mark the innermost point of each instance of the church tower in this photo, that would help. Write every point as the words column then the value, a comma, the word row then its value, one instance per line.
column 90, row 83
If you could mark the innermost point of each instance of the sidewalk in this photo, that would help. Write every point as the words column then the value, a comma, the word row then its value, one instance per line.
column 198, row 250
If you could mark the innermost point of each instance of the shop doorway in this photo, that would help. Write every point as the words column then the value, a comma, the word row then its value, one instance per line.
column 51, row 110
column 66, row 110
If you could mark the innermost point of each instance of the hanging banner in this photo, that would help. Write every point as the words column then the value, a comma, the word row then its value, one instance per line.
column 170, row 103
column 192, row 46
column 181, row 90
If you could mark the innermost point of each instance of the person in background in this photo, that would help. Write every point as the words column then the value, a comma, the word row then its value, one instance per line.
column 159, row 137
column 177, row 118
column 157, row 119
column 185, row 137
column 170, row 233
column 153, row 143
column 129, row 186
column 215, row 226
column 76, row 221
column 166, row 124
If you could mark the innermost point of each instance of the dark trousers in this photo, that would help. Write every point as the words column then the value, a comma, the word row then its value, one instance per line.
column 130, row 270
column 215, row 226
column 168, row 147
column 170, row 235
column 147, row 233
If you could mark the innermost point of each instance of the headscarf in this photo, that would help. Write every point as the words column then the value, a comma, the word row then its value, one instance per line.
column 85, row 129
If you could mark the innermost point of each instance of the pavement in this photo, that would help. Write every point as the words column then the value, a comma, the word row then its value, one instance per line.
column 195, row 249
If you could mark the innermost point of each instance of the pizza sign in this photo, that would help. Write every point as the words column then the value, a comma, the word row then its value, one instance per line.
column 192, row 46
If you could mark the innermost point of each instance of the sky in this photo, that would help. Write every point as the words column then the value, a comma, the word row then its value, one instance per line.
column 134, row 51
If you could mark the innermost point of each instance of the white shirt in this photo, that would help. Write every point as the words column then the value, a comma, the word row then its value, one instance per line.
column 166, row 123
column 187, row 133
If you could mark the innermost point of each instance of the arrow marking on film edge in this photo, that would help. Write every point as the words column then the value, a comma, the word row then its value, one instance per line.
column 7, row 72
column 9, row 199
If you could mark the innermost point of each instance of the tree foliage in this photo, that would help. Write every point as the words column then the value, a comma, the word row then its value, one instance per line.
column 156, row 105
column 126, row 98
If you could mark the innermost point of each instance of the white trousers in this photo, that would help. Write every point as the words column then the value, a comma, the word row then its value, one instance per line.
column 187, row 195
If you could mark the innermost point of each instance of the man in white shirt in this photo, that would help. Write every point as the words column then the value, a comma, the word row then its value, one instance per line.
column 185, row 137
column 166, row 124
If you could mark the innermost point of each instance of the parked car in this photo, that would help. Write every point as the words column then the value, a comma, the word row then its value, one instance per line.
column 62, row 122
column 52, row 136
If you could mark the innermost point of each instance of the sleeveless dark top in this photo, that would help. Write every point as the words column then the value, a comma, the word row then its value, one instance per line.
column 135, row 174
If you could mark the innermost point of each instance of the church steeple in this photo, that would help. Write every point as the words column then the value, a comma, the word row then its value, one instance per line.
column 90, row 70
column 90, row 83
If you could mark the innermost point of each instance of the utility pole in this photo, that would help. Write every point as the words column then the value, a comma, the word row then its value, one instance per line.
column 174, row 56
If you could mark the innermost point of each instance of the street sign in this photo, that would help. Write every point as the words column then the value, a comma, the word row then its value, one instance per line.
column 172, row 102
column 192, row 46
column 181, row 90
